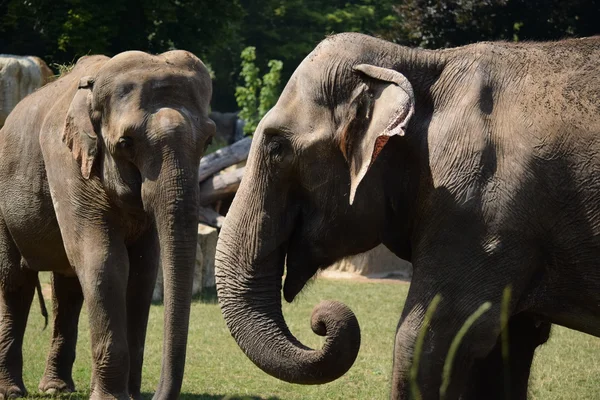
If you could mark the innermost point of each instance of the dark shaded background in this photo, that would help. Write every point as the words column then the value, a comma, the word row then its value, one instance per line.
column 60, row 31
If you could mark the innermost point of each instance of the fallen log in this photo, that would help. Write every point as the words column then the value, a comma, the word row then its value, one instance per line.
column 220, row 186
column 210, row 217
column 223, row 158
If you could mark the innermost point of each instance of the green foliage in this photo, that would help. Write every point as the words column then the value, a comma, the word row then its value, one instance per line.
column 217, row 143
column 61, row 31
column 257, row 96
column 63, row 68
column 247, row 95
column 444, row 23
column 269, row 93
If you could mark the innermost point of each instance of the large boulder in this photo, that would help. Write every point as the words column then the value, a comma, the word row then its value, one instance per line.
column 204, row 273
column 376, row 263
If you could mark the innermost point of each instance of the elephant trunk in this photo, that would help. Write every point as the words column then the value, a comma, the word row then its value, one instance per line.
column 176, row 217
column 250, row 298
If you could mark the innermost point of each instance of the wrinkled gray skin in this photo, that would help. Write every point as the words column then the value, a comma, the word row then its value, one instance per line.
column 490, row 178
column 98, row 175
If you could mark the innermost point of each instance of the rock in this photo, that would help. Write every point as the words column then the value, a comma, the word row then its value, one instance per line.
column 204, row 272
column 376, row 263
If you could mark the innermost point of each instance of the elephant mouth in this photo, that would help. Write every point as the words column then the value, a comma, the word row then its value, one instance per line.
column 292, row 287
column 295, row 280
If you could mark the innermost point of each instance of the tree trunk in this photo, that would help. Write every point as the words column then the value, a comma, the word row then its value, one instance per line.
column 220, row 186
column 223, row 158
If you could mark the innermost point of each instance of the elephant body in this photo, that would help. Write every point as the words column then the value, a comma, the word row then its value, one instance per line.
column 98, row 173
column 479, row 164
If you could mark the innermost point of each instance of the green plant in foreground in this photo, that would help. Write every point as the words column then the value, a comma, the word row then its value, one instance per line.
column 504, row 316
column 448, row 362
column 447, row 371
column 257, row 96
column 414, row 369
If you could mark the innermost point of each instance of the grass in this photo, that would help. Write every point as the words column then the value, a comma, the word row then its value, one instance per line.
column 63, row 69
column 217, row 143
column 568, row 367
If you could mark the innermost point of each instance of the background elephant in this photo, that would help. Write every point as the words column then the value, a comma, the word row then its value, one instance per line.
column 99, row 183
column 20, row 76
column 229, row 127
column 479, row 164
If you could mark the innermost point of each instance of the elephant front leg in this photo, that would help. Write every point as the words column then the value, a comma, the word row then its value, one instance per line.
column 17, row 286
column 496, row 378
column 104, row 284
column 67, row 300
column 426, row 363
column 143, row 266
column 14, row 308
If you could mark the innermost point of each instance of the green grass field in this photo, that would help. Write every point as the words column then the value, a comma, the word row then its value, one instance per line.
column 568, row 367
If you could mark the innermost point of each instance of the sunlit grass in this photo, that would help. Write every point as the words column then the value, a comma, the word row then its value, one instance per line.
column 568, row 367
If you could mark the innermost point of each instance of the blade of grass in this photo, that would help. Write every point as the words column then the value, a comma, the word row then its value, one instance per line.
column 414, row 369
column 447, row 371
column 504, row 316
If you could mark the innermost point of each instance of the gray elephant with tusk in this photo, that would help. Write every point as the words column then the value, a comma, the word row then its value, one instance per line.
column 479, row 164
column 99, row 184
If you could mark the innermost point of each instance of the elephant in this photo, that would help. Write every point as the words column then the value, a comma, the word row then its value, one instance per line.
column 99, row 182
column 229, row 126
column 479, row 164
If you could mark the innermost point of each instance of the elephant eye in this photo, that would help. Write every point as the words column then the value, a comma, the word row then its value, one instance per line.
column 275, row 149
column 125, row 142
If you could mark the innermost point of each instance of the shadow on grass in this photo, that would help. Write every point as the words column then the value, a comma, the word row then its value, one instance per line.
column 208, row 296
column 206, row 396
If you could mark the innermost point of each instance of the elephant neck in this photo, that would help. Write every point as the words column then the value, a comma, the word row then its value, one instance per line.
column 403, row 176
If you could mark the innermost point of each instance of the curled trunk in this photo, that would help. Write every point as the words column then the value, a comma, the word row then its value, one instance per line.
column 250, row 300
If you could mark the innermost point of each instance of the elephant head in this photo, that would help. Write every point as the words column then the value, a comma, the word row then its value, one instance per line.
column 137, row 127
column 313, row 192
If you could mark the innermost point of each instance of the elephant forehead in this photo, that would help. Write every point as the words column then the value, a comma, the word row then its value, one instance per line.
column 169, row 118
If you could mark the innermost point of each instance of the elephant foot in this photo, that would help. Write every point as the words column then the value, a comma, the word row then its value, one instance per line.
column 135, row 396
column 54, row 386
column 12, row 392
column 97, row 395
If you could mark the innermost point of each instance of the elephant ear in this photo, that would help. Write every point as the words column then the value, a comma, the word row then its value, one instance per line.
column 78, row 133
column 389, row 105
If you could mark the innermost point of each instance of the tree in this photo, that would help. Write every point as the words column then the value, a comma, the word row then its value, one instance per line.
column 257, row 96
column 445, row 23
column 288, row 30
column 64, row 30
column 60, row 31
